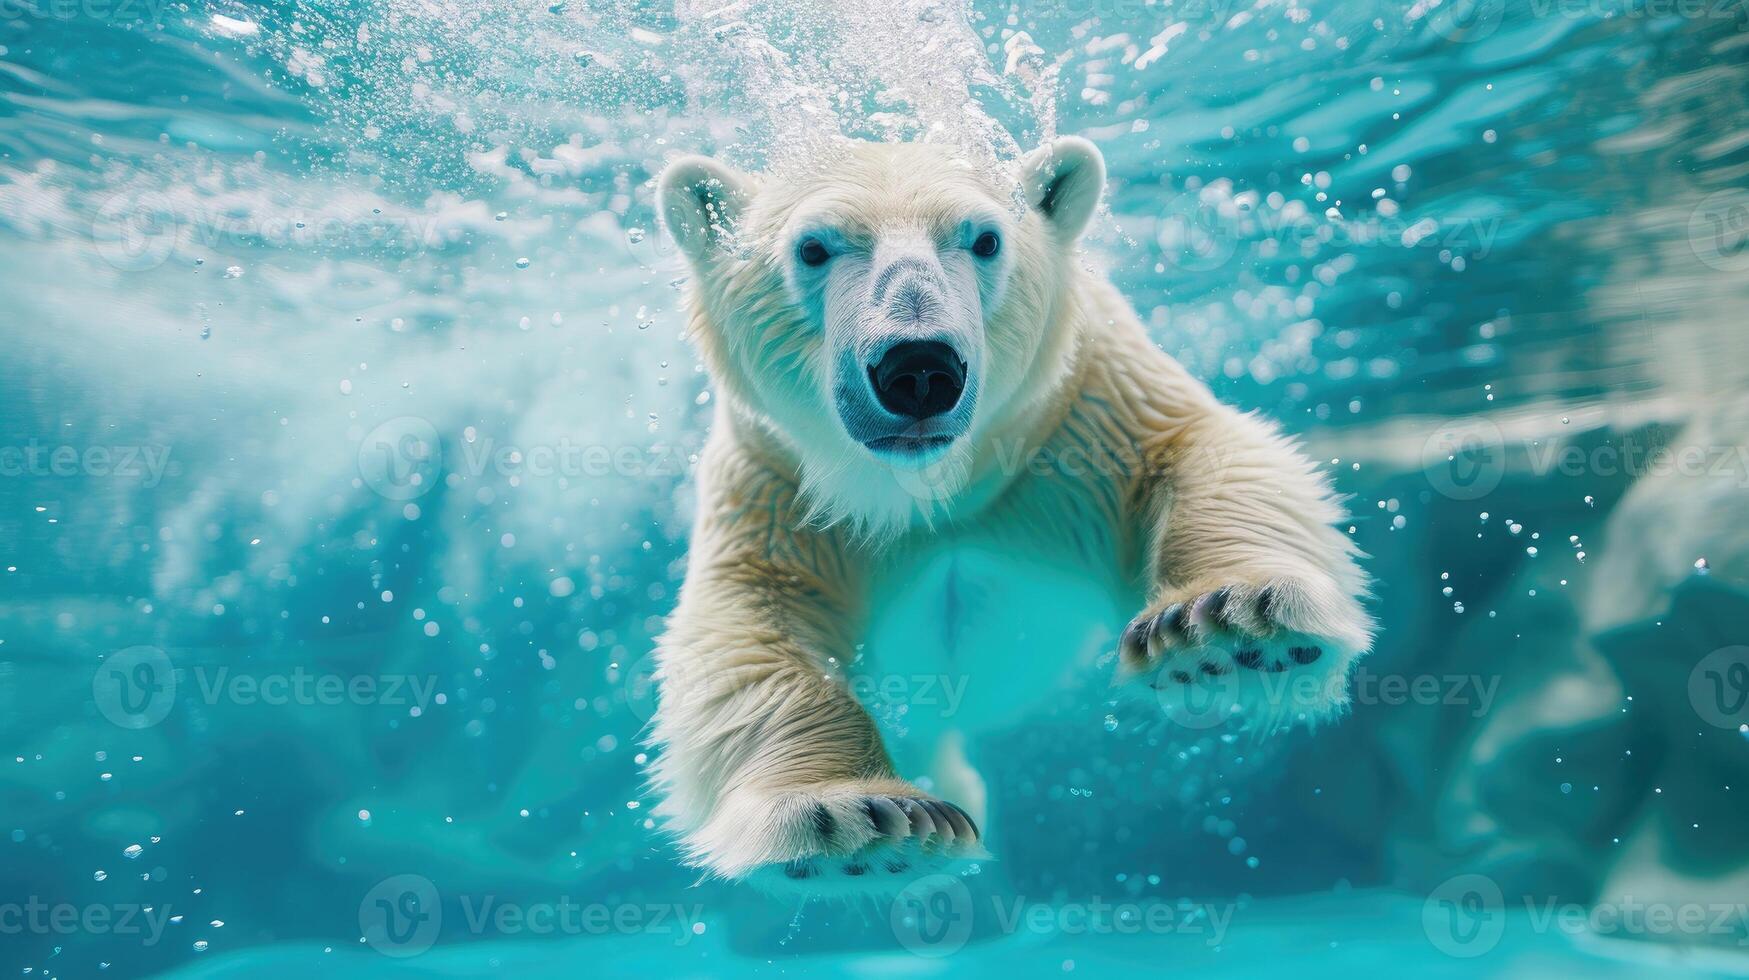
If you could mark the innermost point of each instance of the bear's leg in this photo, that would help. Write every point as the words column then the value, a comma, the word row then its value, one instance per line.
column 1255, row 610
column 773, row 772
column 768, row 766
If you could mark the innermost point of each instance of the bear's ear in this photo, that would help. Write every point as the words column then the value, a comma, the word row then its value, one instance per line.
column 1063, row 180
column 700, row 200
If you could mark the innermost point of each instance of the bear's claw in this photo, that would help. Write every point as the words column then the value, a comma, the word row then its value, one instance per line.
column 1244, row 625
column 858, row 842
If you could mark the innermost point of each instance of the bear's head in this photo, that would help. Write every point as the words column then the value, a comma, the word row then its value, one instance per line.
column 886, row 311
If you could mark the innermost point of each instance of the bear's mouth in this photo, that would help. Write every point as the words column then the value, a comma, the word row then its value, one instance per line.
column 909, row 447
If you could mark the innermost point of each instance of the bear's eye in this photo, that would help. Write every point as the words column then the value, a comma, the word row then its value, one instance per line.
column 986, row 245
column 812, row 252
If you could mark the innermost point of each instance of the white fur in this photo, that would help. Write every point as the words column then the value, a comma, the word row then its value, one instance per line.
column 1089, row 451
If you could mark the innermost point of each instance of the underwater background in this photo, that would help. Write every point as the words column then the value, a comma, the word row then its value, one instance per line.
column 346, row 424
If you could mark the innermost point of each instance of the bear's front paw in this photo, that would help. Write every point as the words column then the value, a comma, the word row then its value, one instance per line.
column 1268, row 654
column 852, row 837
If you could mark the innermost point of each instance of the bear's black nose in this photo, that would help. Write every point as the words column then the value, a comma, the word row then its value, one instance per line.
column 919, row 379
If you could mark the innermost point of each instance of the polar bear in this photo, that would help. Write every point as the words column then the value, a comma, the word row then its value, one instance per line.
column 923, row 396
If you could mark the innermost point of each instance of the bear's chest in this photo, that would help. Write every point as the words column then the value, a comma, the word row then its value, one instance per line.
column 969, row 630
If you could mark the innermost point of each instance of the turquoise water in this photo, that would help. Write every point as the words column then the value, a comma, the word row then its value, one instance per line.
column 345, row 426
